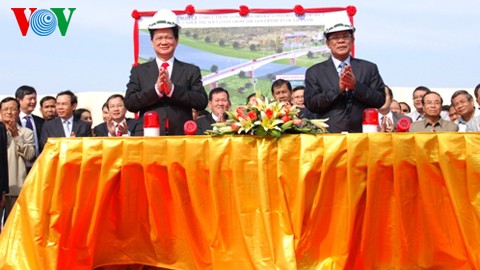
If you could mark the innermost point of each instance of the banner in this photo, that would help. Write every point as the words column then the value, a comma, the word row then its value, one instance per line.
column 244, row 50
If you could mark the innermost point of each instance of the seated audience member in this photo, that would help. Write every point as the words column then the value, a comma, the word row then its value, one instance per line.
column 404, row 108
column 433, row 122
column 4, row 190
column 297, row 96
column 116, row 124
column 395, row 107
column 452, row 113
column 27, row 96
column 465, row 107
column 386, row 117
column 47, row 108
column 84, row 115
column 21, row 148
column 219, row 103
column 476, row 93
column 473, row 125
column 297, row 100
column 105, row 113
column 282, row 90
column 252, row 97
column 65, row 125
column 418, row 94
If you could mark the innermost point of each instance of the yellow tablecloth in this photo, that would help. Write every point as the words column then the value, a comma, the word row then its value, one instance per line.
column 356, row 201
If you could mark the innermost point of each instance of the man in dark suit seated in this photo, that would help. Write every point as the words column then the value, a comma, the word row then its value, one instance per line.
column 219, row 103
column 342, row 87
column 165, row 85
column 65, row 125
column 116, row 124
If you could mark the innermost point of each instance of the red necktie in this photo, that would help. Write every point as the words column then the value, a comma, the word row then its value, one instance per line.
column 119, row 133
column 165, row 87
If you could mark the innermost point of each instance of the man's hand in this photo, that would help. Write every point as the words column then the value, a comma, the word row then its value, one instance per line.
column 164, row 85
column 111, row 127
column 347, row 79
column 122, row 127
column 12, row 127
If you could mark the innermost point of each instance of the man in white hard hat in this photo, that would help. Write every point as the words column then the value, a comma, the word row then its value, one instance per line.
column 165, row 85
column 342, row 87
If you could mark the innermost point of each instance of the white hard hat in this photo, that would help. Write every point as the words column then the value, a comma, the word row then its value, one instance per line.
column 338, row 28
column 164, row 18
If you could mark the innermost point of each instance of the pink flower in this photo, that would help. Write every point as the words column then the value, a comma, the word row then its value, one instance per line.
column 299, row 10
column 190, row 10
column 244, row 10
column 285, row 118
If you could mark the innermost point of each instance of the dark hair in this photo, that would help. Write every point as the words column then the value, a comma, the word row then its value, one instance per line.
column 262, row 97
column 216, row 91
column 445, row 108
column 475, row 92
column 73, row 97
column 300, row 87
column 175, row 31
column 78, row 112
column 46, row 98
column 24, row 90
column 422, row 88
column 112, row 97
column 105, row 105
column 404, row 103
column 431, row 93
column 461, row 92
column 8, row 99
column 279, row 83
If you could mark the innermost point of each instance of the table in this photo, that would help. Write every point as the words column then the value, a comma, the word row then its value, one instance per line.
column 335, row 201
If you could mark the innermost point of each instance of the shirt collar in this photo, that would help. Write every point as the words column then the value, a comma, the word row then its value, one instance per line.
column 337, row 62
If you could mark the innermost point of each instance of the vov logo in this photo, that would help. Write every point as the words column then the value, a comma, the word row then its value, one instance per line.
column 43, row 21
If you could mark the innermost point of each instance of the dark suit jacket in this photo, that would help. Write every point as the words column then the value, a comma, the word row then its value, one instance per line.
column 3, row 160
column 323, row 96
column 204, row 123
column 54, row 128
column 38, row 121
column 102, row 129
column 188, row 93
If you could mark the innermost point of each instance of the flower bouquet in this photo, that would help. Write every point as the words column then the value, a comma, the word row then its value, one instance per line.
column 264, row 118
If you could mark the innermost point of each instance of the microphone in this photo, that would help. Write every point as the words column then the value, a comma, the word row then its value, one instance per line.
column 190, row 127
column 403, row 124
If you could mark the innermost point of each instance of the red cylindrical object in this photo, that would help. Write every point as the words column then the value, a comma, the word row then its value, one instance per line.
column 190, row 127
column 403, row 124
column 151, row 120
column 370, row 117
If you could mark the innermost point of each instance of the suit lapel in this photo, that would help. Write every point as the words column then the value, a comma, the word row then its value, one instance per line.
column 59, row 127
column 176, row 71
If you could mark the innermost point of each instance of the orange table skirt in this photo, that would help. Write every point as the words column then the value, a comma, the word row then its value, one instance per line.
column 356, row 201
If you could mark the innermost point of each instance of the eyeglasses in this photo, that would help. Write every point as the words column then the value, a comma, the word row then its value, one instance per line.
column 338, row 37
column 405, row 110
column 120, row 106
